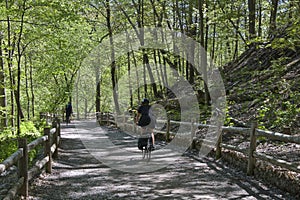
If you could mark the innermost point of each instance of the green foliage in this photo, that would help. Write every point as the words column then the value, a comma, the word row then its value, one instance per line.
column 261, row 139
column 28, row 129
column 278, row 110
column 228, row 118
column 286, row 116
column 8, row 144
column 174, row 114
column 8, row 141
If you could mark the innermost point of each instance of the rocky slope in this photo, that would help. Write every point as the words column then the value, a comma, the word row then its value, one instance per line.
column 264, row 84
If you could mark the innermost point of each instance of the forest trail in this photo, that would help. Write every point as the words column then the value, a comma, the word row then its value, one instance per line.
column 77, row 174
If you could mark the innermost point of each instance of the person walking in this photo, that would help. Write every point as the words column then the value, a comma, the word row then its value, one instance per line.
column 69, row 112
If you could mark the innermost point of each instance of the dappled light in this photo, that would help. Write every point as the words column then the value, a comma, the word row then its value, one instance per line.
column 78, row 174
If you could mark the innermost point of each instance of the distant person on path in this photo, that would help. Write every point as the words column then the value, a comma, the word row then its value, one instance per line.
column 69, row 112
column 145, row 119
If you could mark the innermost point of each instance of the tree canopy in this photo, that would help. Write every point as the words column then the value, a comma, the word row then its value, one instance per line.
column 44, row 46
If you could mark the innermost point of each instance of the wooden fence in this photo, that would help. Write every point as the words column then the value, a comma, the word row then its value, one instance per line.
column 127, row 123
column 50, row 142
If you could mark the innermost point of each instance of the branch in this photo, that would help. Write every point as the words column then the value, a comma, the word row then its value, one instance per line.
column 99, row 10
column 102, row 38
column 128, row 18
column 234, row 26
column 25, row 22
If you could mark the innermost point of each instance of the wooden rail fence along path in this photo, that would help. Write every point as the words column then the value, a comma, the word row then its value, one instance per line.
column 126, row 123
column 51, row 139
column 91, row 168
column 50, row 142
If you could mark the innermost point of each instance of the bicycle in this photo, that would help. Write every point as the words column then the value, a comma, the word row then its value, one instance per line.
column 145, row 144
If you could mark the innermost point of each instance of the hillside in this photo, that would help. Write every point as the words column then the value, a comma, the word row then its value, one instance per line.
column 264, row 83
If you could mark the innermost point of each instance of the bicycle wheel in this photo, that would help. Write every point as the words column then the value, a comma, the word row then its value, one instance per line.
column 149, row 148
column 144, row 152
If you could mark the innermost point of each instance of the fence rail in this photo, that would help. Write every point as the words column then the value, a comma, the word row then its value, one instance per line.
column 253, row 132
column 50, row 141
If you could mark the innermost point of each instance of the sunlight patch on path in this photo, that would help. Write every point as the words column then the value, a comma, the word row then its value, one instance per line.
column 124, row 157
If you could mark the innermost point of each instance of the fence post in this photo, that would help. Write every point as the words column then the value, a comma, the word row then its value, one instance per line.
column 219, row 142
column 58, row 128
column 168, row 130
column 124, row 123
column 23, row 166
column 107, row 119
column 99, row 116
column 192, row 134
column 55, row 135
column 251, row 158
column 48, row 150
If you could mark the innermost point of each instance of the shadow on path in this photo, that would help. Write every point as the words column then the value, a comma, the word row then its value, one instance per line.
column 78, row 175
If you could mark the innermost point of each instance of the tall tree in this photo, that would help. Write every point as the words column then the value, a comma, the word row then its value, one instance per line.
column 203, row 53
column 3, row 103
column 138, row 27
column 112, row 56
column 274, row 8
column 10, row 53
column 252, row 18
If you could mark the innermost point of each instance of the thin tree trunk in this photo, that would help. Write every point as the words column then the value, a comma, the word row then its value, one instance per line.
column 98, row 90
column 236, row 46
column 3, row 103
column 203, row 54
column 20, row 115
column 274, row 8
column 214, row 36
column 157, row 68
column 252, row 18
column 10, row 68
column 31, row 87
column 129, row 80
column 179, row 16
column 145, row 55
column 27, row 88
column 192, row 34
column 140, row 18
column 77, row 95
column 112, row 56
column 259, row 31
column 161, row 64
column 85, row 108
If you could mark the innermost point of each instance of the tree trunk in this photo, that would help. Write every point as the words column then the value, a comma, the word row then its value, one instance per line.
column 20, row 115
column 98, row 90
column 27, row 88
column 252, row 18
column 31, row 87
column 85, row 108
column 274, row 8
column 10, row 68
column 3, row 104
column 203, row 54
column 158, row 66
column 236, row 43
column 137, row 76
column 214, row 35
column 112, row 56
column 146, row 64
column 77, row 95
column 259, row 19
column 129, row 80
column 192, row 34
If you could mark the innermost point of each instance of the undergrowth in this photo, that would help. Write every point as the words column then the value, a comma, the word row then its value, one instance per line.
column 9, row 138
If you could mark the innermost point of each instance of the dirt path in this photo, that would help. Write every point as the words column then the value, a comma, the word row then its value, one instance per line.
column 77, row 174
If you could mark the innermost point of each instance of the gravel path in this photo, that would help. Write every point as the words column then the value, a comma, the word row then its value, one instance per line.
column 77, row 174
